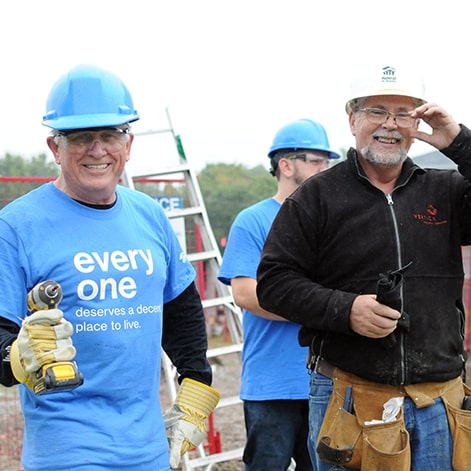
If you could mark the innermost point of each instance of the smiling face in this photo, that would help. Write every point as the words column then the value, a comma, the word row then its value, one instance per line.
column 385, row 144
column 91, row 162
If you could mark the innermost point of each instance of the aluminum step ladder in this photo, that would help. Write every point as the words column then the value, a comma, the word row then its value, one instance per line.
column 173, row 183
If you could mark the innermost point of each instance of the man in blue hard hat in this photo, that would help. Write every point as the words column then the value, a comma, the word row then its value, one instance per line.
column 115, row 255
column 274, row 383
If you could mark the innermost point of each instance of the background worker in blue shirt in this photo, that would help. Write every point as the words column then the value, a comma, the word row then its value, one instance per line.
column 274, row 383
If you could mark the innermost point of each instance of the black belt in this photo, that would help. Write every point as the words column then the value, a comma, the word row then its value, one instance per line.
column 321, row 366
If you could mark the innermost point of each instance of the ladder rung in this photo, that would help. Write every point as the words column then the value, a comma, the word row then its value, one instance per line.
column 229, row 401
column 200, row 256
column 216, row 458
column 216, row 301
column 178, row 213
column 219, row 351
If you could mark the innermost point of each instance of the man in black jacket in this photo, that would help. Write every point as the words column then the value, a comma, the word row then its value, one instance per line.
column 377, row 219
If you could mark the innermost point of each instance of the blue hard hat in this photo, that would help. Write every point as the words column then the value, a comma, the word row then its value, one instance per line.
column 302, row 134
column 88, row 97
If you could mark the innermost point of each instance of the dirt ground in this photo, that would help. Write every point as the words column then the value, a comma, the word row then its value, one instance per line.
column 227, row 428
column 226, row 431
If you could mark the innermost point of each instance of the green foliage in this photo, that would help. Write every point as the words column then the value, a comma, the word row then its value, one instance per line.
column 229, row 188
column 38, row 166
column 226, row 188
column 17, row 166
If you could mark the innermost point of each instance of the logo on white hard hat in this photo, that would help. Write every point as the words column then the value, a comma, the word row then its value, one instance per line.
column 389, row 74
column 385, row 81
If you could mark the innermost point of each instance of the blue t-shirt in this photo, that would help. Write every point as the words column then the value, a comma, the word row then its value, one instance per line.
column 273, row 363
column 117, row 268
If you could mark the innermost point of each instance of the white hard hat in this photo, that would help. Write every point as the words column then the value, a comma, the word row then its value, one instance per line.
column 386, row 81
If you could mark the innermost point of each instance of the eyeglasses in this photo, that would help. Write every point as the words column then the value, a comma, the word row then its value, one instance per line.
column 112, row 139
column 310, row 159
column 380, row 116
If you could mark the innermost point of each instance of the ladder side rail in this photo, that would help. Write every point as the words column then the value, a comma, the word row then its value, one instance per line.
column 196, row 198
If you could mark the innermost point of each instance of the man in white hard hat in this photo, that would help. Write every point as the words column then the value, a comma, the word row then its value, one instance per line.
column 367, row 258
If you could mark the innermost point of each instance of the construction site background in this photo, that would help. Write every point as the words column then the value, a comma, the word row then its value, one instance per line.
column 226, row 428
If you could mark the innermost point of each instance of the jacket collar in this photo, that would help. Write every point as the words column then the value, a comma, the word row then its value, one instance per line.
column 409, row 168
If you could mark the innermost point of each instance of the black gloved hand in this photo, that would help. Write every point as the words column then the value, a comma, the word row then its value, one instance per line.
column 388, row 292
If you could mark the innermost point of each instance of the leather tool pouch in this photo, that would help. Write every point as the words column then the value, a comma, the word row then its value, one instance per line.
column 460, row 425
column 344, row 439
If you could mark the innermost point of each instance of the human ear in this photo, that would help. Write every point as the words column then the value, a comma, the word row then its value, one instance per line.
column 351, row 122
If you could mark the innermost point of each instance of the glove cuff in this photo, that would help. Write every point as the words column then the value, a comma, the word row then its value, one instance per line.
column 17, row 367
column 197, row 396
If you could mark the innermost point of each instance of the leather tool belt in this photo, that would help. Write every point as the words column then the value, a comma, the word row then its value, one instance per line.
column 345, row 440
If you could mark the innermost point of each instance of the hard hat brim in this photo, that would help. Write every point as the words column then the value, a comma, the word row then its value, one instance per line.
column 383, row 92
column 89, row 121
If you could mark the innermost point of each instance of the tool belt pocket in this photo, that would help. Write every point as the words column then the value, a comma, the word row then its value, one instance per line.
column 386, row 447
column 340, row 437
column 344, row 439
column 460, row 426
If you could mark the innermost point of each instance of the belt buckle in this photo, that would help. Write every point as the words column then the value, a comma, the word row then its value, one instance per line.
column 312, row 361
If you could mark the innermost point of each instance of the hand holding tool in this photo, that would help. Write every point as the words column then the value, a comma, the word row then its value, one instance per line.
column 40, row 356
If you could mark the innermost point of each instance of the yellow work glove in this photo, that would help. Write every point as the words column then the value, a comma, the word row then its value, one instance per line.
column 186, row 419
column 44, row 338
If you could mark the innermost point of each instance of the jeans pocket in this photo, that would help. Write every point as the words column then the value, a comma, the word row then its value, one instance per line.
column 386, row 447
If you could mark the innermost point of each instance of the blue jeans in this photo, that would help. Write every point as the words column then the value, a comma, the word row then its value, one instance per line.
column 276, row 432
column 430, row 438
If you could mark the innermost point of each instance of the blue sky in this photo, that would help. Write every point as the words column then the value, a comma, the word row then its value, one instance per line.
column 230, row 72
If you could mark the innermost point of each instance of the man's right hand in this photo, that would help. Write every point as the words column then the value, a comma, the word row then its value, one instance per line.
column 372, row 319
column 44, row 338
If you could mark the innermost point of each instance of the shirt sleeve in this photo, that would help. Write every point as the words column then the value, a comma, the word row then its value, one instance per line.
column 8, row 333
column 184, row 337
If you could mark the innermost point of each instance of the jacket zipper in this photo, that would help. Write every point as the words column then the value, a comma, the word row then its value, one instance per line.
column 390, row 202
column 399, row 265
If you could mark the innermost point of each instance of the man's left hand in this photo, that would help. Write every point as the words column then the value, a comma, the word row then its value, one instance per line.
column 186, row 418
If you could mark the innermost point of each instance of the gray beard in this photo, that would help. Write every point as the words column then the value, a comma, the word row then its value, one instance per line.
column 389, row 160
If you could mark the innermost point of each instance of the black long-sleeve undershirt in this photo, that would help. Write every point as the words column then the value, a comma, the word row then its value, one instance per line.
column 8, row 332
column 184, row 336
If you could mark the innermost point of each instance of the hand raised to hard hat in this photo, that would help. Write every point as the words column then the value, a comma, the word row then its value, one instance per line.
column 45, row 337
column 444, row 127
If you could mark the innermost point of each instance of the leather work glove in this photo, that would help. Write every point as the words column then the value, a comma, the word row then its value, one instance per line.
column 44, row 338
column 186, row 418
column 389, row 292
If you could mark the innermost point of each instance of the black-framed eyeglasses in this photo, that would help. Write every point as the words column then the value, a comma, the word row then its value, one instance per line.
column 309, row 158
column 112, row 138
column 379, row 116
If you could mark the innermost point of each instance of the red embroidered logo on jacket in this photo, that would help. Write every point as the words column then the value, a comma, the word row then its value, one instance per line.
column 430, row 216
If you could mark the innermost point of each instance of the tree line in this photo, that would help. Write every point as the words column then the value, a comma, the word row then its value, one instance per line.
column 226, row 188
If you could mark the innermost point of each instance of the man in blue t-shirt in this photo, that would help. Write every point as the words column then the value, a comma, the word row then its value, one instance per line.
column 128, row 290
column 274, row 383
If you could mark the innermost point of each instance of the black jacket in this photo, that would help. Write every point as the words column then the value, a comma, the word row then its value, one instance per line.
column 334, row 237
